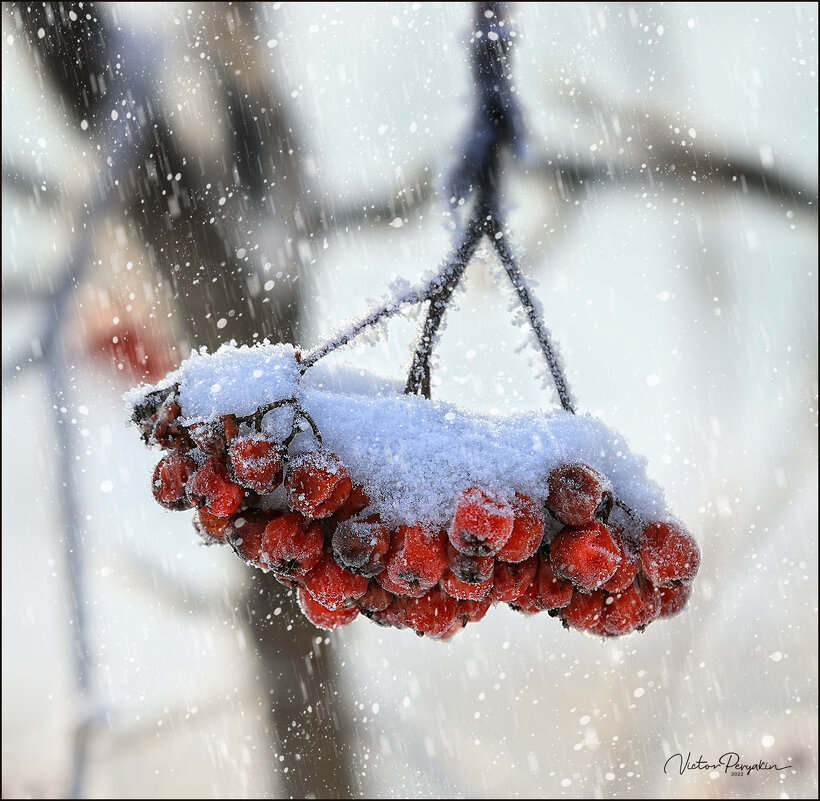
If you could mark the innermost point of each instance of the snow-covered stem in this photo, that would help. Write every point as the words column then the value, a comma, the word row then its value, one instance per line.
column 533, row 310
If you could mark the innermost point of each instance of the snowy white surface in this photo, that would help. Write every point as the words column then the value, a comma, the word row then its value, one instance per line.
column 413, row 456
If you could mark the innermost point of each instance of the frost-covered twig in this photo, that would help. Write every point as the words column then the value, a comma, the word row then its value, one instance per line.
column 534, row 314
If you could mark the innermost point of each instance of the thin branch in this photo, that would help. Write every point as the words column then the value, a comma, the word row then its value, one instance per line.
column 534, row 315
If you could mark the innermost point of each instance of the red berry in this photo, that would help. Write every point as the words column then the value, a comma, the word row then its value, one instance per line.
column 211, row 487
column 355, row 503
column 230, row 427
column 401, row 588
column 527, row 533
column 481, row 525
column 553, row 592
column 245, row 535
column 586, row 556
column 466, row 591
column 467, row 568
column 628, row 568
column 511, row 580
column 361, row 546
column 375, row 599
column 674, row 599
column 669, row 554
column 416, row 558
column 210, row 527
column 256, row 464
column 170, row 477
column 584, row 611
column 209, row 438
column 473, row 611
column 432, row 614
column 576, row 492
column 333, row 586
column 320, row 616
column 392, row 615
column 632, row 609
column 293, row 544
column 317, row 485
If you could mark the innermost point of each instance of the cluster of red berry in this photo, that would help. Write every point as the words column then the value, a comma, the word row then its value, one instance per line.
column 302, row 517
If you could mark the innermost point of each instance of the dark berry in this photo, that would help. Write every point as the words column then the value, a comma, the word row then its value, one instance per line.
column 481, row 525
column 586, row 556
column 576, row 492
column 170, row 478
column 168, row 431
column 669, row 554
column 467, row 568
column 527, row 533
column 211, row 487
column 361, row 546
column 322, row 617
column 256, row 464
column 293, row 544
column 376, row 599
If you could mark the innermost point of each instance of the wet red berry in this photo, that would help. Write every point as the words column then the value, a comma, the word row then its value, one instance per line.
column 170, row 478
column 631, row 609
column 256, row 464
column 511, row 580
column 586, row 556
column 375, row 599
column 356, row 501
column 211, row 487
column 669, row 554
column 473, row 611
column 674, row 599
column 210, row 527
column 317, row 485
column 527, row 533
column 361, row 546
column 322, row 617
column 576, row 492
column 432, row 614
column 245, row 534
column 584, row 610
column 293, row 544
column 629, row 566
column 482, row 525
column 333, row 586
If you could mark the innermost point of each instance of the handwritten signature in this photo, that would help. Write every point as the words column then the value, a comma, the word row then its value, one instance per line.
column 728, row 762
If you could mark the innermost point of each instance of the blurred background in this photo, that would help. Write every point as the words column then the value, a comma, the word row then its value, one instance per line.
column 176, row 175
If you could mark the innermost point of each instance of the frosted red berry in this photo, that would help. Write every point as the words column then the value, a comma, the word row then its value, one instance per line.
column 333, row 586
column 245, row 534
column 584, row 610
column 669, row 554
column 211, row 487
column 553, row 592
column 481, row 525
column 527, row 533
column 317, row 485
column 209, row 437
column 463, row 590
column 256, row 464
column 586, row 556
column 416, row 558
column 576, row 493
column 210, row 527
column 432, row 614
column 361, row 546
column 628, row 567
column 170, row 477
column 631, row 609
column 168, row 431
column 510, row 580
column 293, row 544
column 322, row 617
column 401, row 588
column 674, row 599
column 473, row 611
